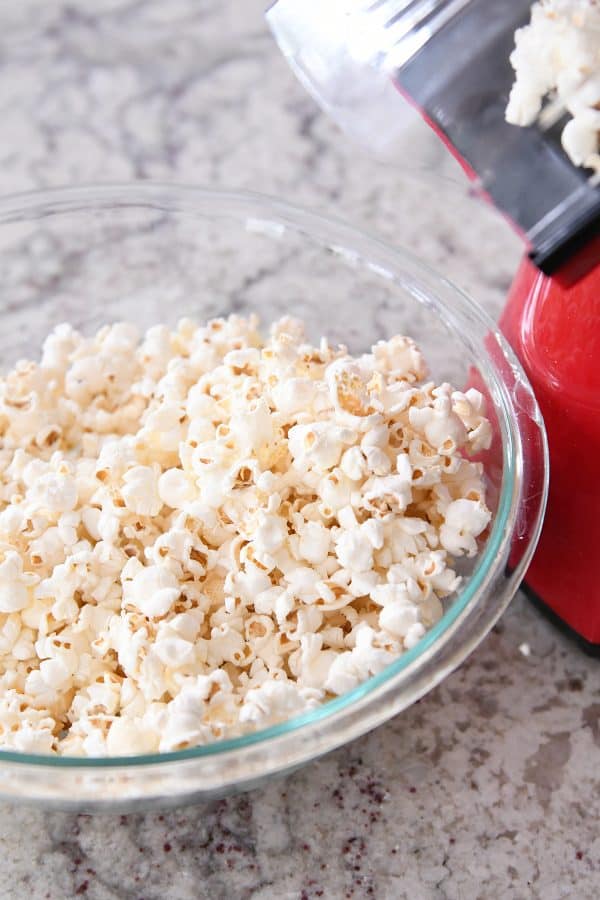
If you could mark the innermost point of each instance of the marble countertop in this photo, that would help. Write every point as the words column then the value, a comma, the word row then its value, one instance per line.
column 486, row 788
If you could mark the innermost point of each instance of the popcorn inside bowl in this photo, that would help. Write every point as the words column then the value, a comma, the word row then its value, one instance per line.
column 204, row 531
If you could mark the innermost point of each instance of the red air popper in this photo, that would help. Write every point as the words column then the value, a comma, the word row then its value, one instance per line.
column 363, row 60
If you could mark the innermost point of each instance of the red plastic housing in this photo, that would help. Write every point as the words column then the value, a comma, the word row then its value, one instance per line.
column 553, row 325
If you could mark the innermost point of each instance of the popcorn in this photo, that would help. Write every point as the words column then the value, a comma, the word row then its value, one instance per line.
column 392, row 492
column 354, row 551
column 271, row 533
column 274, row 701
column 204, row 532
column 352, row 667
column 353, row 463
column 314, row 542
column 294, row 395
column 413, row 635
column 318, row 445
column 153, row 590
column 556, row 55
column 465, row 520
column 400, row 359
column 175, row 489
column 54, row 493
column 140, row 490
column 335, row 490
column 14, row 583
column 440, row 425
column 398, row 617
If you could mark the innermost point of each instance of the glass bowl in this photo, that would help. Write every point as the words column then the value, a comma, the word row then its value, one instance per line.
column 154, row 253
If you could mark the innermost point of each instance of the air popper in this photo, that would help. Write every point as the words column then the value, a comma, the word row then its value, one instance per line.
column 364, row 61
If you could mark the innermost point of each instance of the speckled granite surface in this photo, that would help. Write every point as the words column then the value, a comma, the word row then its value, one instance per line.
column 489, row 787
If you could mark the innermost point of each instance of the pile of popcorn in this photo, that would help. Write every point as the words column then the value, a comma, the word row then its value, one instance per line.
column 203, row 531
column 558, row 55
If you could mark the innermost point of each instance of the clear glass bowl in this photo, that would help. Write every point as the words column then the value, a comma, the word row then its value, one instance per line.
column 154, row 253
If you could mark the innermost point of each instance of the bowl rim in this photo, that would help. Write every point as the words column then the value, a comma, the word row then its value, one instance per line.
column 182, row 198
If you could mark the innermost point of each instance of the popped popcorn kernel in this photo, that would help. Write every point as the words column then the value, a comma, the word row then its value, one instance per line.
column 556, row 56
column 204, row 531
